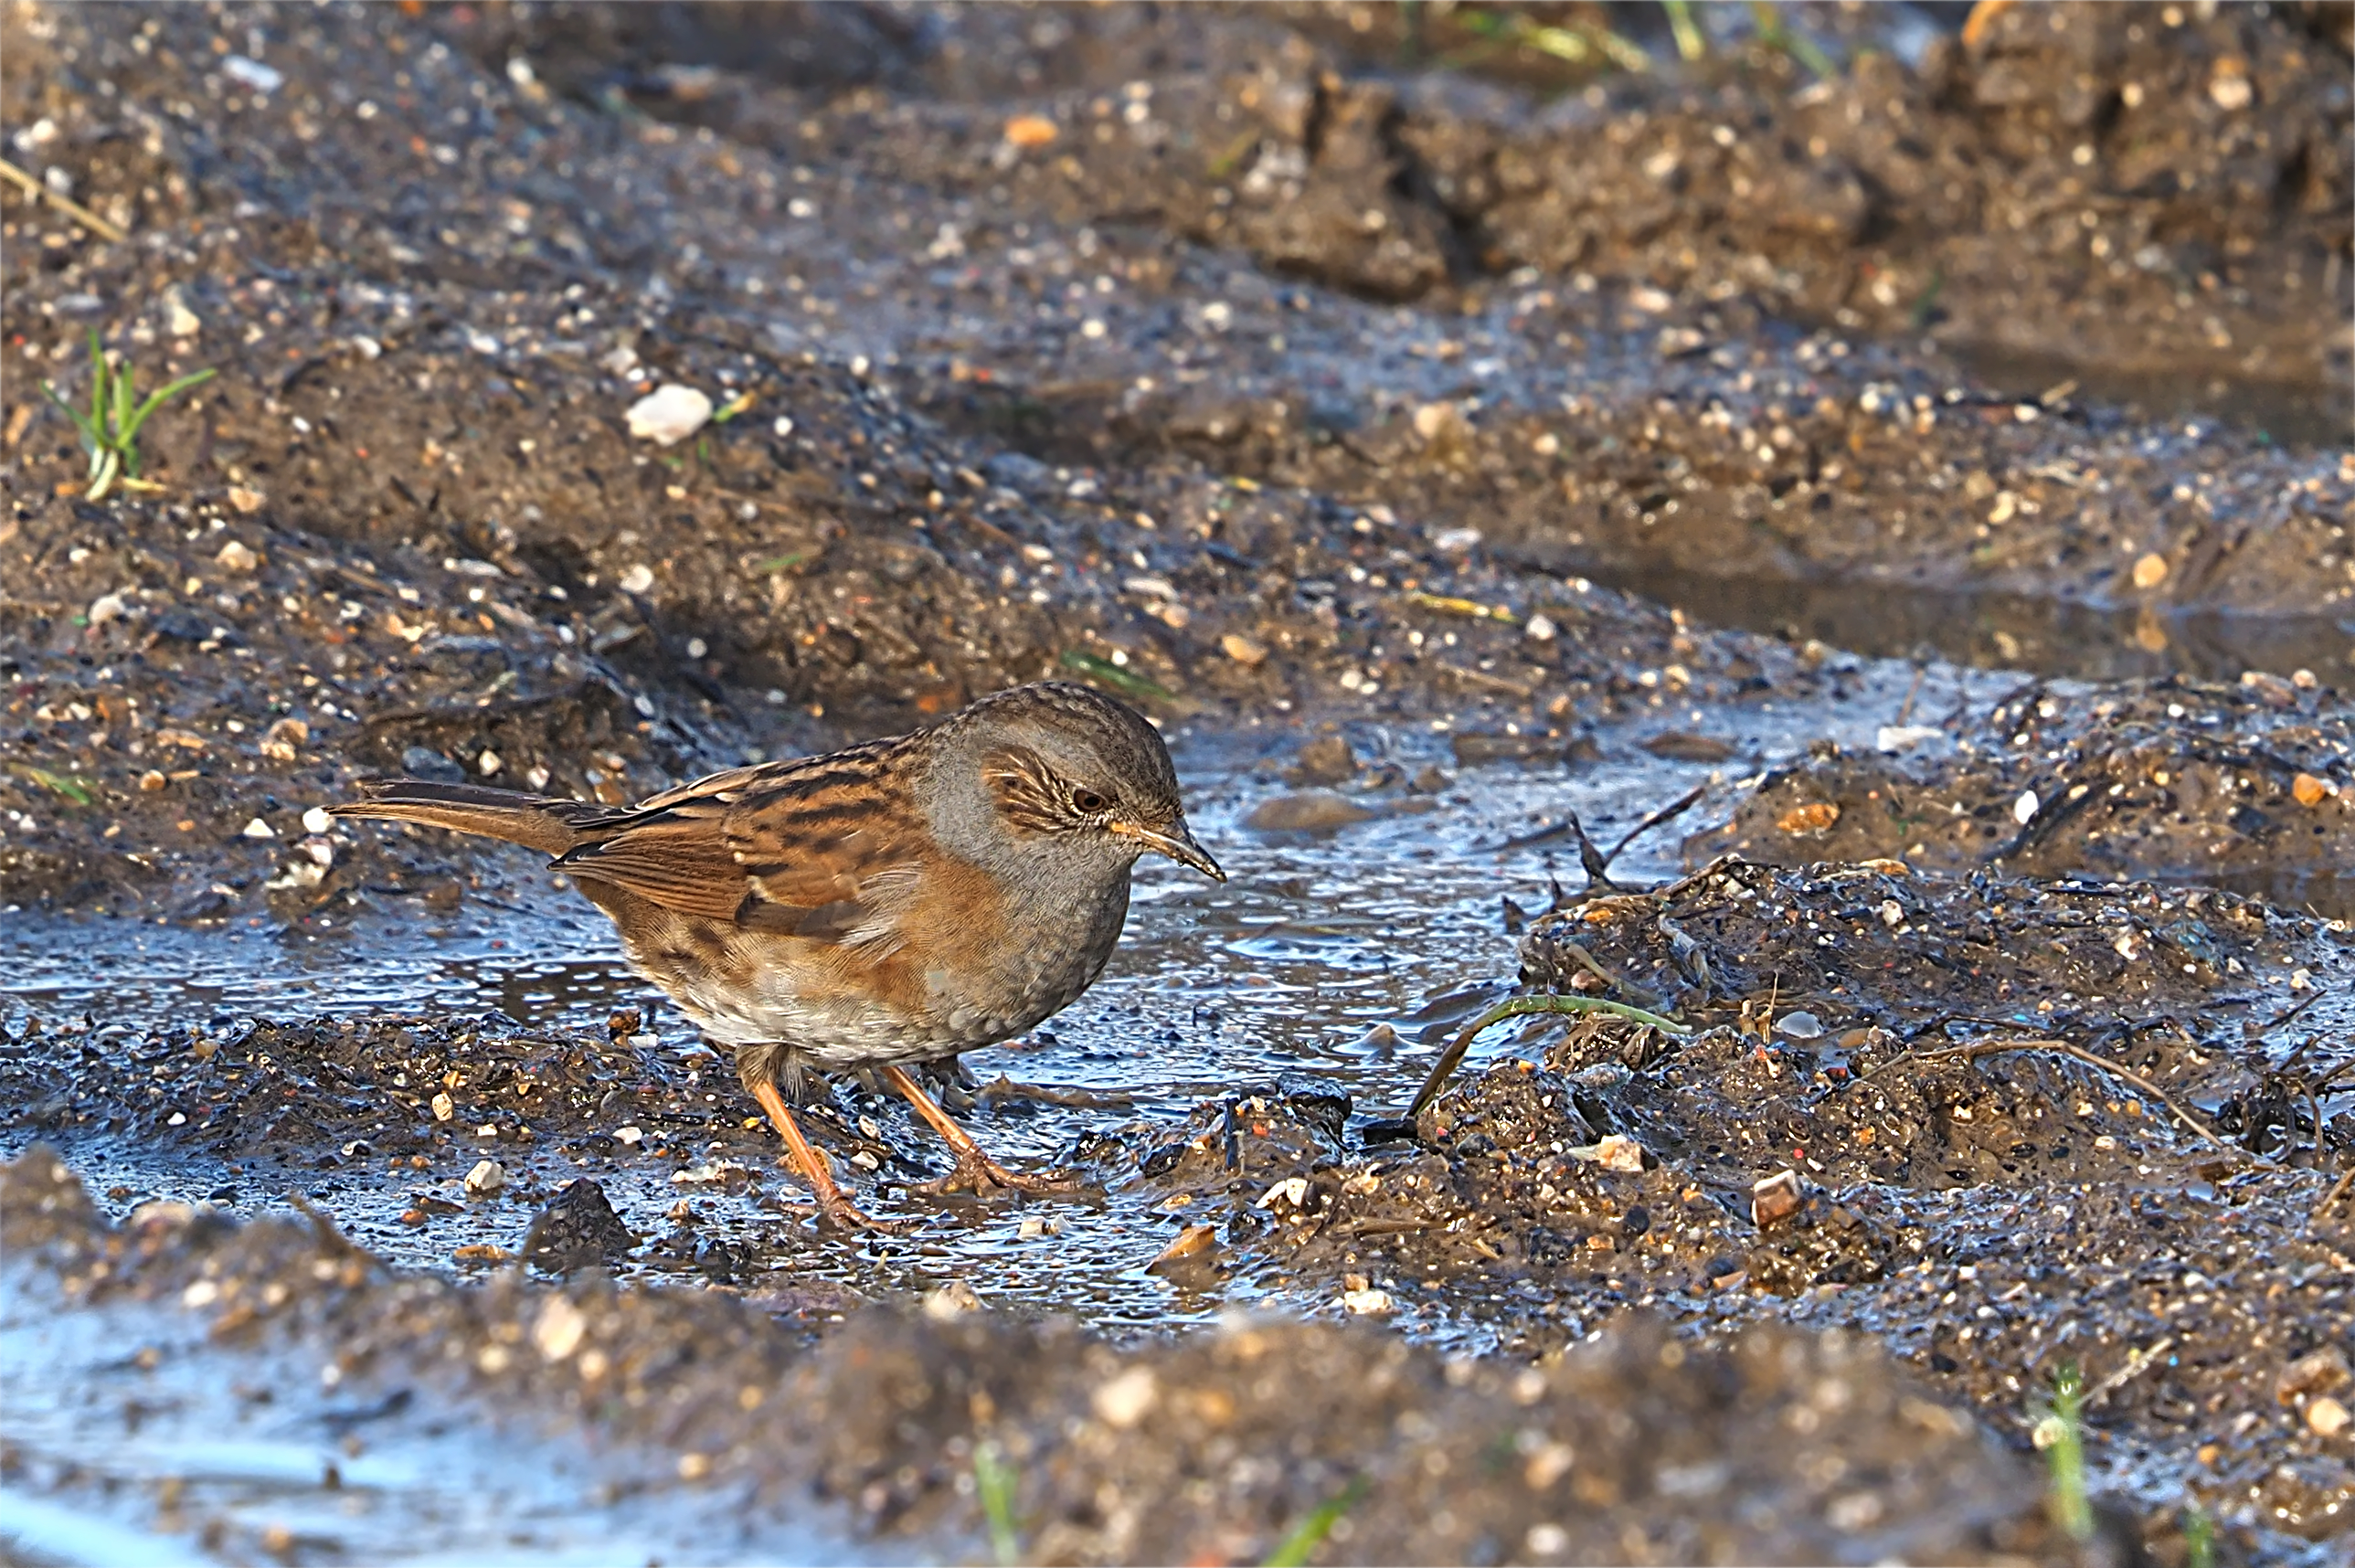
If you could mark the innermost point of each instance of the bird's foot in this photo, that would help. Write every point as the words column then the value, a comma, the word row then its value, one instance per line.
column 837, row 1212
column 984, row 1178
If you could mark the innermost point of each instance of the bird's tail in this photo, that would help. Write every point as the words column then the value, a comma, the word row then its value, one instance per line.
column 536, row 822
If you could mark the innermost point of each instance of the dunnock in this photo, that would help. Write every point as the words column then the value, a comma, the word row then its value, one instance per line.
column 888, row 904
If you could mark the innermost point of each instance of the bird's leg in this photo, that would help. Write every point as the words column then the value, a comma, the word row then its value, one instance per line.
column 833, row 1207
column 976, row 1171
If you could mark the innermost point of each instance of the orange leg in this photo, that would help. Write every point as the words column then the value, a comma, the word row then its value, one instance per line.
column 833, row 1207
column 976, row 1171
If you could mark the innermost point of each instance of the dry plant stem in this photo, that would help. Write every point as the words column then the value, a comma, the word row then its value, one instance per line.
column 67, row 205
column 2338, row 1190
column 2127, row 1075
column 1521, row 1007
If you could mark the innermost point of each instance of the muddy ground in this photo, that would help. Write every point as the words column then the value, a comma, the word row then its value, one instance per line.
column 1408, row 419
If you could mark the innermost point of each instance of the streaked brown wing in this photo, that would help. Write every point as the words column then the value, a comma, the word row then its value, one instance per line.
column 806, row 848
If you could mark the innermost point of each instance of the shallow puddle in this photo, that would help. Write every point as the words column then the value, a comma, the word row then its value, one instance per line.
column 1301, row 966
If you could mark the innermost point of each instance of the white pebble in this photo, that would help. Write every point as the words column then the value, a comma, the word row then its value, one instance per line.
column 257, row 828
column 2024, row 807
column 1366, row 1303
column 1122, row 1401
column 488, row 762
column 638, row 579
column 558, row 1330
column 670, row 413
column 488, row 1177
column 316, row 820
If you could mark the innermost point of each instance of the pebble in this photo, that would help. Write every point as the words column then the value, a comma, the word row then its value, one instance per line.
column 263, row 79
column 951, row 1301
column 630, row 1136
column 1122, row 1401
column 1800, row 1026
column 237, row 557
column 2323, row 1371
column 2307, row 790
column 257, row 828
column 558, row 1330
column 1774, row 1198
column 2326, row 1417
column 1367, row 1303
column 1815, row 817
column 317, row 821
column 670, row 414
column 1242, row 650
column 638, row 579
column 1030, row 131
column 2024, row 809
column 1310, row 811
column 444, row 1107
column 104, row 608
column 487, row 1179
column 2150, row 571
column 1896, row 738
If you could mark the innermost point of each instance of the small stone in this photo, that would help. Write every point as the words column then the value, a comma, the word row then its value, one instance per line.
column 1324, row 760
column 1614, row 1152
column 558, row 1329
column 444, row 1107
column 1775, row 1198
column 670, row 414
column 632, row 1136
column 2326, row 1417
column 1540, row 629
column 1193, row 1242
column 487, row 1179
column 1366, row 1303
column 488, row 762
column 236, row 556
column 1800, row 1026
column 2230, row 89
column 694, row 1466
column 1312, row 811
column 2307, row 790
column 104, row 608
column 1123, row 1400
column 2150, row 571
column 285, row 738
column 2024, row 809
column 151, row 781
column 1815, row 817
column 579, row 1228
column 1242, row 650
column 1030, row 131
column 2323, row 1371
column 178, row 319
column 317, row 820
column 637, row 579
column 257, row 828
column 245, row 499
column 951, row 1301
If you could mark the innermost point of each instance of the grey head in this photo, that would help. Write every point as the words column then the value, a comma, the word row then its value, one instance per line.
column 1057, row 769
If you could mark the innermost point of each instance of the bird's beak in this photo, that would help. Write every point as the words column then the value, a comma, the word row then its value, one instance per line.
column 1176, row 842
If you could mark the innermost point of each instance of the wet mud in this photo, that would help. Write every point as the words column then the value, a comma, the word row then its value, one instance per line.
column 1898, row 514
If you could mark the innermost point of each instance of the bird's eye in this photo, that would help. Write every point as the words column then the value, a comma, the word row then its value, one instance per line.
column 1088, row 803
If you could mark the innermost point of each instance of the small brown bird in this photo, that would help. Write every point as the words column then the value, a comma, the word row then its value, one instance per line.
column 892, row 903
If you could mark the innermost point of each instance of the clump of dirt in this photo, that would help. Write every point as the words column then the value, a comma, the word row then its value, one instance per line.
column 1776, row 1445
column 2244, row 786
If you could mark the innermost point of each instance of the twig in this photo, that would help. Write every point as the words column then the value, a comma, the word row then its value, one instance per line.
column 1668, row 812
column 2337, row 1189
column 2076, row 1053
column 1521, row 1007
column 2136, row 1362
column 65, row 203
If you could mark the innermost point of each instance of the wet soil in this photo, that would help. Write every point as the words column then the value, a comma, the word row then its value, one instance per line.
column 1461, row 454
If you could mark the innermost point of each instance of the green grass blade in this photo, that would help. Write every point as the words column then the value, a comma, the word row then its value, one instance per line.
column 98, row 391
column 1112, row 674
column 995, row 1479
column 2199, row 1538
column 1690, row 44
column 2061, row 1432
column 1295, row 1549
